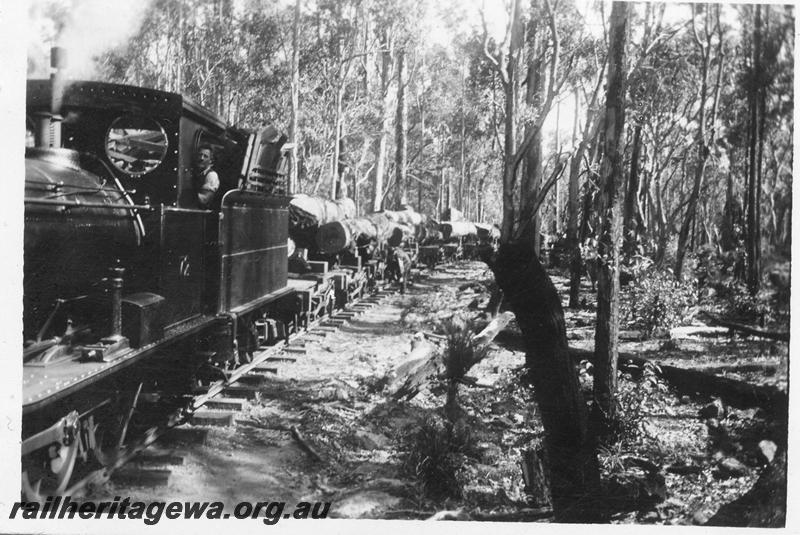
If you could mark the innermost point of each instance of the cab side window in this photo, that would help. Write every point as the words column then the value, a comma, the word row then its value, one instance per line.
column 136, row 145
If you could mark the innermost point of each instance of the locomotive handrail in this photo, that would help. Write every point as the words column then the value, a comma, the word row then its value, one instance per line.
column 77, row 204
column 57, row 186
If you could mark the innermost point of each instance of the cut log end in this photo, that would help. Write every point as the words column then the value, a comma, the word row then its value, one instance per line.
column 332, row 238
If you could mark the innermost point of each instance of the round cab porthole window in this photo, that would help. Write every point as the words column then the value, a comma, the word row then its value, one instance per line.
column 136, row 145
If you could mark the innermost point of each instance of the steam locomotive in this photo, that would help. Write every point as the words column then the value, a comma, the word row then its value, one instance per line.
column 128, row 281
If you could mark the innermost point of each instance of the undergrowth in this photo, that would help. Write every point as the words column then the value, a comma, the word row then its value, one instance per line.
column 438, row 451
column 657, row 301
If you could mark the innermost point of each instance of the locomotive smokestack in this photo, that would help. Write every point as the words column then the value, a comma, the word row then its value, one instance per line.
column 48, row 123
column 58, row 62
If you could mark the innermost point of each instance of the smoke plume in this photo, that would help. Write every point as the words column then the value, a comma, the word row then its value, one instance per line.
column 86, row 28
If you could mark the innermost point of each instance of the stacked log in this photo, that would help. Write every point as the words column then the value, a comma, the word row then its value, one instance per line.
column 457, row 229
column 348, row 234
column 487, row 232
column 330, row 227
column 451, row 214
column 390, row 227
column 406, row 217
column 428, row 233
column 306, row 211
column 307, row 214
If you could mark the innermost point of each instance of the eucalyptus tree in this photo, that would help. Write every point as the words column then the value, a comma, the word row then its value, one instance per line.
column 708, row 52
column 611, row 191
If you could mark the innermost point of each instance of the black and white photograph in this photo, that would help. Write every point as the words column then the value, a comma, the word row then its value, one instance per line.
column 278, row 263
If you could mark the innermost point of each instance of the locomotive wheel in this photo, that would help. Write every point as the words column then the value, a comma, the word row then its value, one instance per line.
column 55, row 483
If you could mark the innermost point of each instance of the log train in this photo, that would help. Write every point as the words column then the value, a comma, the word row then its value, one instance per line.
column 135, row 296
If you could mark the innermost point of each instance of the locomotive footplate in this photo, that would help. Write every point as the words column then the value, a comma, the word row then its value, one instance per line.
column 42, row 385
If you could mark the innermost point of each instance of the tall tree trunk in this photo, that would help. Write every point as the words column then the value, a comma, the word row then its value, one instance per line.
column 610, row 232
column 762, row 104
column 573, row 247
column 630, row 217
column 420, row 185
column 581, row 232
column 336, row 164
column 400, row 133
column 293, row 186
column 448, row 191
column 704, row 49
column 558, row 195
column 386, row 120
column 509, row 80
column 479, row 199
column 532, row 168
column 753, row 248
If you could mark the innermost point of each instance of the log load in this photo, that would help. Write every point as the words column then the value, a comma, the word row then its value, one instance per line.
column 487, row 232
column 451, row 214
column 307, row 211
column 406, row 217
column 457, row 229
column 307, row 214
column 348, row 234
column 390, row 227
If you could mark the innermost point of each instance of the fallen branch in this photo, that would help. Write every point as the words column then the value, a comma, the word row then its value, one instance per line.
column 522, row 515
column 423, row 363
column 404, row 513
column 739, row 394
column 473, row 381
column 458, row 514
column 766, row 369
column 770, row 335
column 493, row 329
column 434, row 336
column 305, row 445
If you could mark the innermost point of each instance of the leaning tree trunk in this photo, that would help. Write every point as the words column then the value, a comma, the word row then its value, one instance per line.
column 537, row 307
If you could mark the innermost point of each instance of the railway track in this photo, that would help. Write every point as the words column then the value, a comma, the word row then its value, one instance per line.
column 219, row 405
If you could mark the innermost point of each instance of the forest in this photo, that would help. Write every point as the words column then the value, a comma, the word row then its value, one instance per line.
column 645, row 147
